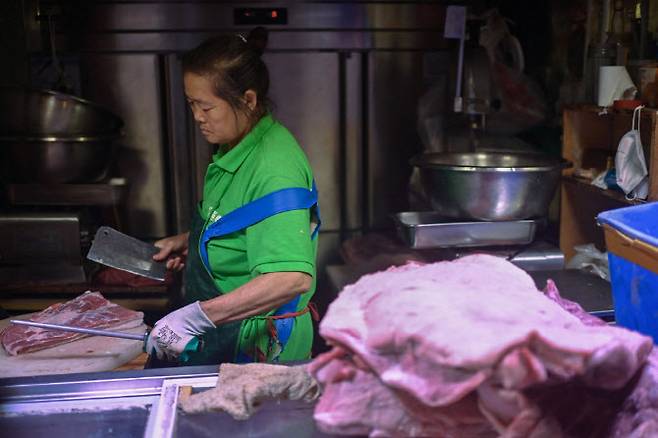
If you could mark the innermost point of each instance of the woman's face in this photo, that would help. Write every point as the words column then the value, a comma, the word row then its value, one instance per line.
column 218, row 122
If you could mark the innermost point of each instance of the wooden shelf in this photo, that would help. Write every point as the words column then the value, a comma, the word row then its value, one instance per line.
column 586, row 186
column 589, row 140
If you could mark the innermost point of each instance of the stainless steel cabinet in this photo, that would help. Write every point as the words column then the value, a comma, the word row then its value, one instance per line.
column 130, row 85
column 345, row 78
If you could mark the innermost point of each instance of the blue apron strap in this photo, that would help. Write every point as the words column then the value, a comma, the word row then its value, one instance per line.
column 284, row 326
column 317, row 214
column 296, row 198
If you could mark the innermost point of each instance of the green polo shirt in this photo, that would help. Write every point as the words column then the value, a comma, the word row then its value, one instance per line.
column 267, row 159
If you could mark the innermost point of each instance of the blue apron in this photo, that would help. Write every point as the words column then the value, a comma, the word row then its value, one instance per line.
column 239, row 219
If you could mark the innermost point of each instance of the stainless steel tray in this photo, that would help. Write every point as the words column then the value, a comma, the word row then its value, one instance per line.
column 430, row 230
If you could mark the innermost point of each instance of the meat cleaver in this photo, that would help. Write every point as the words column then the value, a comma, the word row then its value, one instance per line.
column 115, row 249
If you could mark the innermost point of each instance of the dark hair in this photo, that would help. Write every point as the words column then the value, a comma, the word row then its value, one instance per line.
column 234, row 65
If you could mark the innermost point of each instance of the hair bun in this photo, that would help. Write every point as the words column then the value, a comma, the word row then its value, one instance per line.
column 257, row 39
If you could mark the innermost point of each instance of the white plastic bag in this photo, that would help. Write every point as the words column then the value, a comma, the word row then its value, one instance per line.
column 522, row 102
column 590, row 259
column 599, row 180
column 631, row 168
column 431, row 110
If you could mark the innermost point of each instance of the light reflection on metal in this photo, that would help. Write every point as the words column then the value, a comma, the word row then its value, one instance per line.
column 162, row 419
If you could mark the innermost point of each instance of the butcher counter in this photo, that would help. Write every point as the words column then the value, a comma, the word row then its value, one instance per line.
column 134, row 404
column 137, row 403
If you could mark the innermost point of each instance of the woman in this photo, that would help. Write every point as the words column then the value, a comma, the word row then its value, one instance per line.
column 250, row 252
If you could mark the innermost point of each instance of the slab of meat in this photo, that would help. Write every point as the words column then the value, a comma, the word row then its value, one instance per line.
column 637, row 415
column 466, row 348
column 89, row 310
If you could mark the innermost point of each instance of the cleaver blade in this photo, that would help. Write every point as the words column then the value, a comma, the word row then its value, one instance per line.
column 113, row 248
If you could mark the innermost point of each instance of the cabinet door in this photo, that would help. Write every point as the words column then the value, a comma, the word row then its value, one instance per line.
column 306, row 90
column 395, row 85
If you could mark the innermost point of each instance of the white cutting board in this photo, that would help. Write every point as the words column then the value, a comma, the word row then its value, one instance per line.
column 90, row 354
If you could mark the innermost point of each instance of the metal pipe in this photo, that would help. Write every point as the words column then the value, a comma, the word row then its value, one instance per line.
column 605, row 21
column 164, row 84
column 365, row 140
column 342, row 144
column 644, row 29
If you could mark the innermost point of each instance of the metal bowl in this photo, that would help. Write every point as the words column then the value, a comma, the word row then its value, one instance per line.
column 489, row 186
column 51, row 137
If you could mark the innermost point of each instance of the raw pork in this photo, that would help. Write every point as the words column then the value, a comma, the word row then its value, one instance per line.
column 89, row 310
column 637, row 416
column 466, row 348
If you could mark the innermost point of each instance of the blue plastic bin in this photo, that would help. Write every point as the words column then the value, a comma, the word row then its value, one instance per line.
column 631, row 235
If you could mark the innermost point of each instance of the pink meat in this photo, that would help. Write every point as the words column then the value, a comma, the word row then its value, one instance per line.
column 637, row 414
column 89, row 310
column 473, row 337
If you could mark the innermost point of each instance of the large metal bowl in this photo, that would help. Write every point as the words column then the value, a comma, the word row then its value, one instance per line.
column 489, row 186
column 51, row 137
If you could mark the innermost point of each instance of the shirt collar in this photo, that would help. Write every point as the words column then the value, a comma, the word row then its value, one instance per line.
column 231, row 160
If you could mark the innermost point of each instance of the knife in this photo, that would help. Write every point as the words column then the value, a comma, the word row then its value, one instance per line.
column 120, row 251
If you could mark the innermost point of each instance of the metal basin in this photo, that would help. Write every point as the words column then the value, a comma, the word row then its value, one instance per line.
column 489, row 186
column 51, row 137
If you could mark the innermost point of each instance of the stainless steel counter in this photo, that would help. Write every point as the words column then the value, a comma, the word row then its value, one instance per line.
column 593, row 293
column 92, row 386
column 109, row 404
column 112, row 423
column 290, row 419
column 134, row 404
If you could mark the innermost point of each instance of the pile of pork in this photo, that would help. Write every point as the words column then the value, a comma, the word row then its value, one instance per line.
column 471, row 348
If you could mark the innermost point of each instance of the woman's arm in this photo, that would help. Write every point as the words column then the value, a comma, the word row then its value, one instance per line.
column 262, row 294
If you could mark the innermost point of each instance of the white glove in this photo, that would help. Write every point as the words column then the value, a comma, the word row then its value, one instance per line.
column 172, row 333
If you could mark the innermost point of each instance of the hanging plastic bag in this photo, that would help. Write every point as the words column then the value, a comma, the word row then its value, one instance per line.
column 430, row 123
column 522, row 105
column 631, row 167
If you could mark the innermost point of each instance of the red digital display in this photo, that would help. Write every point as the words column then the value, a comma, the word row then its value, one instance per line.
column 260, row 16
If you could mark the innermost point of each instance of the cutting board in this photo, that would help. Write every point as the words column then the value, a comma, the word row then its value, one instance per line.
column 90, row 354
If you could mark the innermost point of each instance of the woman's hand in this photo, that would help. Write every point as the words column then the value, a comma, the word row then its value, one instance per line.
column 174, row 250
column 171, row 335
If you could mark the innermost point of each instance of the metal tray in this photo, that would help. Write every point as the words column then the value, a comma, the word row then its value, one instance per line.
column 421, row 230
